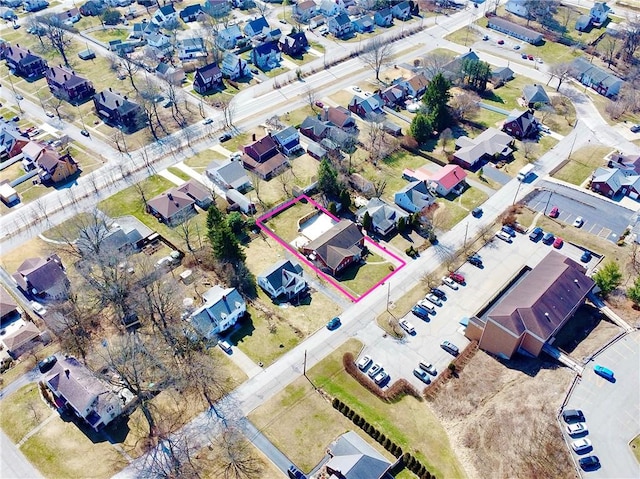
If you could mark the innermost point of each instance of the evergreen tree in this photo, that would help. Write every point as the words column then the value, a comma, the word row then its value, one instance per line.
column 345, row 199
column 214, row 217
column 367, row 222
column 421, row 127
column 328, row 179
column 436, row 98
column 226, row 247
column 633, row 292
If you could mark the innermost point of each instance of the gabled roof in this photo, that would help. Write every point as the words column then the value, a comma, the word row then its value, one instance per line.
column 191, row 43
column 535, row 94
column 191, row 10
column 449, row 176
column 503, row 73
column 417, row 193
column 312, row 123
column 354, row 458
column 195, row 190
column 524, row 118
column 295, row 38
column 283, row 273
column 167, row 9
column 514, row 28
column 40, row 274
column 342, row 19
column 455, row 65
column 219, row 303
column 266, row 48
column 490, row 142
column 17, row 54
column 170, row 203
column 21, row 336
column 258, row 25
column 370, row 104
column 9, row 134
column 231, row 172
column 282, row 135
column 613, row 177
column 263, row 145
column 597, row 75
column 336, row 244
column 418, row 82
column 208, row 72
column 63, row 76
column 7, row 303
column 383, row 215
column 114, row 101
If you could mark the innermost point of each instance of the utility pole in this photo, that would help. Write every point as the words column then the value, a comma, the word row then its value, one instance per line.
column 466, row 230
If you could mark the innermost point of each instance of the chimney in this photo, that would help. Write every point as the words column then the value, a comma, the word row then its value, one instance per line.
column 67, row 372
column 253, row 137
column 102, row 95
column 170, row 196
column 117, row 103
column 546, row 315
column 65, row 77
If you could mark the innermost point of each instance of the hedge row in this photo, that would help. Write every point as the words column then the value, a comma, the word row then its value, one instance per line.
column 394, row 393
column 455, row 367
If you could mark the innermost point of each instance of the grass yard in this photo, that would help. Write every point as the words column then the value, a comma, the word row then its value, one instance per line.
column 464, row 36
column 201, row 160
column 22, row 411
column 297, row 116
column 635, row 447
column 128, row 201
column 342, row 97
column 552, row 52
column 285, row 223
column 582, row 163
column 179, row 173
column 361, row 278
column 107, row 35
column 69, row 228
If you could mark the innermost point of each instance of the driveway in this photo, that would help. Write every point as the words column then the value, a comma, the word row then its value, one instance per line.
column 601, row 217
column 612, row 409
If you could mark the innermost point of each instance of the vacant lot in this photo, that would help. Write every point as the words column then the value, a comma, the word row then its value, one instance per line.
column 582, row 163
column 285, row 223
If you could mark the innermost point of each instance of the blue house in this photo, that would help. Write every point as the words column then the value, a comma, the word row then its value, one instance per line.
column 414, row 197
column 191, row 13
column 266, row 56
column 221, row 310
column 364, row 24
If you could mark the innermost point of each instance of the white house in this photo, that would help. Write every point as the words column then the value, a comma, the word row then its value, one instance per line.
column 233, row 66
column 599, row 12
column 159, row 41
column 266, row 56
column 414, row 197
column 288, row 140
column 221, row 310
column 517, row 7
column 191, row 48
column 165, row 16
column 229, row 174
column 259, row 26
column 228, row 37
column 283, row 279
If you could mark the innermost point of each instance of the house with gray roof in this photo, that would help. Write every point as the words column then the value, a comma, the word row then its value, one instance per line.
column 288, row 140
column 599, row 13
column 532, row 94
column 283, row 279
column 221, row 310
column 514, row 30
column 502, row 74
column 177, row 204
column 366, row 107
column 229, row 174
column 491, row 144
column 384, row 217
column 602, row 81
column 43, row 278
column 337, row 248
column 414, row 197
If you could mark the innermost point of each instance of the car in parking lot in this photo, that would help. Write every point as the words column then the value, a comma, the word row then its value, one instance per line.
column 516, row 47
column 38, row 308
column 590, row 462
column 509, row 230
column 374, row 370
column 548, row 238
column 635, row 128
column 450, row 347
column 457, row 277
column 439, row 293
column 422, row 375
column 557, row 244
column 576, row 429
column 364, row 362
column 224, row 137
column 530, row 57
column 572, row 415
column 503, row 236
column 380, row 377
column 604, row 372
column 475, row 260
column 47, row 363
column 432, row 298
column 476, row 212
column 586, row 256
column 422, row 310
column 501, row 42
column 581, row 445
column 428, row 367
column 449, row 282
column 554, row 213
column 578, row 222
column 524, row 56
column 407, row 326
column 334, row 323
column 536, row 233
column 294, row 473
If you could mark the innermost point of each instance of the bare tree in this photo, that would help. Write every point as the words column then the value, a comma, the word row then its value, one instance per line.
column 57, row 33
column 237, row 460
column 434, row 63
column 56, row 102
column 566, row 14
column 562, row 72
column 76, row 323
column 377, row 54
column 530, row 148
column 228, row 111
column 445, row 138
column 378, row 187
column 129, row 68
column 34, row 25
column 631, row 38
column 310, row 96
column 465, row 105
column 609, row 46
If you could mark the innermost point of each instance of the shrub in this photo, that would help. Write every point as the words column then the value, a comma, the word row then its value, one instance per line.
column 405, row 458
column 335, row 403
column 387, row 443
column 398, row 452
column 376, row 434
column 382, row 438
column 350, row 414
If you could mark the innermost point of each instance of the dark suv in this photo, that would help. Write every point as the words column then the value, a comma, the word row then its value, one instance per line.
column 572, row 415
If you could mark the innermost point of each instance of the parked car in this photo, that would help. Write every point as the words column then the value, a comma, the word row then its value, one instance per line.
column 428, row 367
column 449, row 282
column 225, row 346
column 536, row 233
column 422, row 375
column 516, row 47
column 432, row 298
column 420, row 312
column 604, row 372
column 84, row 133
column 380, row 377
column 509, row 230
column 407, row 326
column 635, row 128
column 19, row 97
column 581, row 445
column 578, row 222
column 503, row 236
column 557, row 244
column 586, row 256
column 46, row 364
column 207, row 121
column 554, row 212
column 319, row 104
column 524, row 56
column 334, row 323
column 38, row 308
column 450, row 347
column 295, row 473
column 375, row 369
column 364, row 363
column 224, row 137
column 475, row 260
column 476, row 212
column 548, row 238
column 576, row 429
column 530, row 57
column 439, row 293
column 572, row 415
column 356, row 89
column 457, row 277
column 501, row 42
column 589, row 462
column 485, row 38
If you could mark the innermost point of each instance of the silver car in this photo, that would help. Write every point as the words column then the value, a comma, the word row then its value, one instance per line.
column 432, row 298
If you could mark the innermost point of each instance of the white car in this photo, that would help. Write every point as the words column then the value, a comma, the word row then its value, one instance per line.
column 428, row 367
column 578, row 222
column 49, row 114
column 407, row 326
column 449, row 282
column 432, row 298
column 380, row 377
column 225, row 346
column 581, row 445
column 356, row 89
column 364, row 363
column 577, row 428
column 375, row 369
column 38, row 308
column 503, row 236
column 207, row 121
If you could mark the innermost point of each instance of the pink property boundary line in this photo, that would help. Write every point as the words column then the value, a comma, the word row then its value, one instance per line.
column 328, row 278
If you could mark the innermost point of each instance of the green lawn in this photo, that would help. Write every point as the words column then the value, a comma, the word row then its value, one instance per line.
column 285, row 223
column 361, row 278
column 464, row 36
column 110, row 34
column 129, row 202
column 179, row 173
column 22, row 411
column 582, row 164
column 200, row 161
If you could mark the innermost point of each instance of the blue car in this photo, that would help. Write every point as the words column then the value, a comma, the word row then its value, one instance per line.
column 586, row 257
column 536, row 233
column 420, row 312
column 604, row 372
column 333, row 324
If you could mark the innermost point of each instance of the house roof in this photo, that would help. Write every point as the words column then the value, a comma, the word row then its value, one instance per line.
column 514, row 28
column 383, row 215
column 597, row 75
column 339, row 116
column 312, row 123
column 167, row 9
column 191, row 43
column 613, row 177
column 9, row 134
column 64, row 76
column 283, row 273
column 171, row 203
column 449, row 176
column 266, row 48
column 283, row 135
column 266, row 167
column 307, row 5
column 455, row 65
column 316, row 149
column 295, row 38
column 21, row 336
column 41, row 274
column 417, row 193
column 336, row 244
column 51, row 159
column 258, row 25
column 370, row 104
column 191, row 10
column 231, row 172
column 503, row 73
column 20, row 55
column 524, row 118
column 195, row 190
column 490, row 142
column 535, row 94
column 342, row 19
column 219, row 303
column 542, row 301
column 7, row 303
column 209, row 71
column 114, row 101
column 262, row 146
column 355, row 458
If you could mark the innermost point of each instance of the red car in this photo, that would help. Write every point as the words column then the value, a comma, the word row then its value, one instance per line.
column 554, row 212
column 530, row 57
column 457, row 277
column 319, row 104
column 500, row 42
column 557, row 244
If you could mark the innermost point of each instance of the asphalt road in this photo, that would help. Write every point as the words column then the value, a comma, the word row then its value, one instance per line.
column 602, row 217
column 14, row 465
column 612, row 409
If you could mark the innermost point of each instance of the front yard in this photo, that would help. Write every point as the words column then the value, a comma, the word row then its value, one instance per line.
column 582, row 164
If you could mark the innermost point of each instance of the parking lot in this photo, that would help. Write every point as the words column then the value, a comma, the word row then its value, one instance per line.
column 601, row 217
column 611, row 409
column 501, row 262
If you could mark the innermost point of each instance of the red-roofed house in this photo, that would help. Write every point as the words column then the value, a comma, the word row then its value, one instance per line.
column 262, row 157
column 446, row 179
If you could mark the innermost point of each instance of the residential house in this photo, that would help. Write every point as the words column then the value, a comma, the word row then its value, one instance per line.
column 78, row 390
column 317, row 21
column 490, row 145
column 531, row 313
column 447, row 179
column 304, row 11
column 366, row 107
column 64, row 83
column 68, row 17
column 283, row 279
column 12, row 141
column 191, row 48
column 453, row 69
column 401, row 11
column 364, row 24
column 191, row 13
column 207, row 78
column 330, row 8
column 514, row 30
column 238, row 201
column 9, row 310
column 112, row 239
column 170, row 74
column 316, row 151
column 117, row 110
column 262, row 157
column 221, row 310
column 602, row 81
column 42, row 278
column 599, row 13
column 535, row 94
column 217, row 8
column 340, row 117
column 521, row 124
column 384, row 217
column 501, row 75
column 629, row 164
column 256, row 27
column 414, row 197
column 393, row 96
column 54, row 168
column 351, row 457
column 92, row 8
column 229, row 174
column 294, row 44
column 165, row 16
column 30, row 154
column 392, row 128
column 266, row 56
column 583, row 22
column 608, row 181
column 337, row 248
column 415, row 86
column 233, row 66
column 383, row 18
column 177, row 204
column 8, row 14
column 13, row 3
column 159, row 40
column 228, row 38
column 22, row 339
column 340, row 26
column 361, row 184
column 518, row 7
column 314, row 129
column 35, row 5
column 288, row 140
column 137, row 29
column 24, row 63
